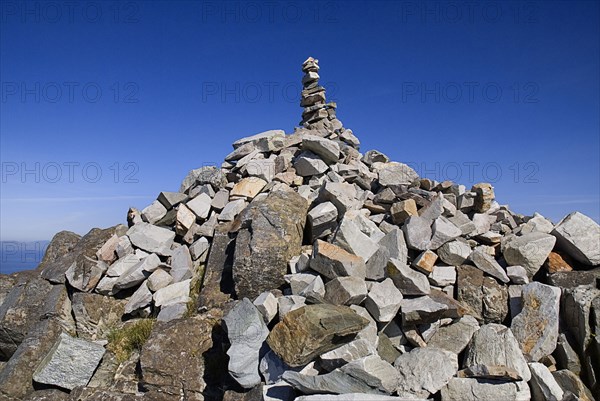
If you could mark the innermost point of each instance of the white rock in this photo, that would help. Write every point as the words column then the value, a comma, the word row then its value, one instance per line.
column 417, row 232
column 443, row 276
column 322, row 220
column 529, row 250
column 308, row 164
column 579, row 236
column 328, row 150
column 200, row 205
column 267, row 305
column 159, row 279
column 517, row 274
column 199, row 247
column 154, row 212
column 122, row 265
column 347, row 353
column 374, row 371
column 443, row 231
column 393, row 173
column 232, row 209
column 288, row 303
column 181, row 264
column 140, row 299
column 424, row 371
column 543, row 385
column 151, row 238
column 488, row 264
column 383, row 300
column 407, row 280
column 454, row 253
column 351, row 238
column 346, row 291
column 174, row 293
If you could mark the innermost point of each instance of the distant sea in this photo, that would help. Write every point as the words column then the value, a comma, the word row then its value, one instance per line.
column 16, row 256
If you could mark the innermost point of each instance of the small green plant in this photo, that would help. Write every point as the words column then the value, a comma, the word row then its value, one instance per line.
column 195, row 287
column 123, row 341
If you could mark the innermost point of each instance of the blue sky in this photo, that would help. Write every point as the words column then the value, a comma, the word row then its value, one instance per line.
column 106, row 104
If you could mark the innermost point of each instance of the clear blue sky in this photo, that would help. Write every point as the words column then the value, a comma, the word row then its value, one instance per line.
column 107, row 104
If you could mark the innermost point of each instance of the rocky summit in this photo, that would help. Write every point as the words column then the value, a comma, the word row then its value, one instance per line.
column 302, row 269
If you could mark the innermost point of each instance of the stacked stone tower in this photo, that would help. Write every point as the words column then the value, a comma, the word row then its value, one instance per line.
column 317, row 114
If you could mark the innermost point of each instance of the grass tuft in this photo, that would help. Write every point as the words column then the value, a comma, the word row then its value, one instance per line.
column 124, row 341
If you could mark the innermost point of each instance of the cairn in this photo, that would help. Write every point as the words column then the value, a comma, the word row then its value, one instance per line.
column 317, row 114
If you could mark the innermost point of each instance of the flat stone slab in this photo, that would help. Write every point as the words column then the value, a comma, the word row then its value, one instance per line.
column 70, row 363
column 312, row 330
column 579, row 236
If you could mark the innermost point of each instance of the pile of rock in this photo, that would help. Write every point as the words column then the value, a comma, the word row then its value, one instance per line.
column 303, row 269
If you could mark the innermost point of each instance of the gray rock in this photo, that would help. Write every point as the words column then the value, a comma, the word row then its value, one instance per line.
column 167, row 376
column 543, row 385
column 151, row 238
column 172, row 312
column 154, row 212
column 299, row 281
column 353, row 397
column 271, row 233
column 171, row 199
column 262, row 168
column 488, row 264
column 417, row 232
column 173, row 293
column 456, row 336
column 322, row 220
column 443, row 231
column 343, row 195
column 579, row 236
column 140, row 299
column 537, row 223
column 375, row 372
column 407, row 280
column 443, row 276
column 529, row 250
column 536, row 327
column 70, row 363
column 454, row 253
column 272, row 367
column 267, row 305
column 423, row 309
column 204, row 175
column 314, row 291
column 351, row 238
column 517, row 274
column 200, row 205
column 393, row 173
column 106, row 286
column 346, row 353
column 461, row 389
column 569, row 381
column 121, row 266
column 181, row 264
column 185, row 219
column 220, row 200
column 232, row 209
column 138, row 272
column 246, row 331
column 328, row 150
column 424, row 371
column 159, row 279
column 199, row 248
column 308, row 164
column 289, row 303
column 85, row 275
column 495, row 345
column 463, row 222
column 335, row 382
column 312, row 330
column 332, row 261
column 373, row 156
column 267, row 141
column 383, row 300
column 346, row 291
